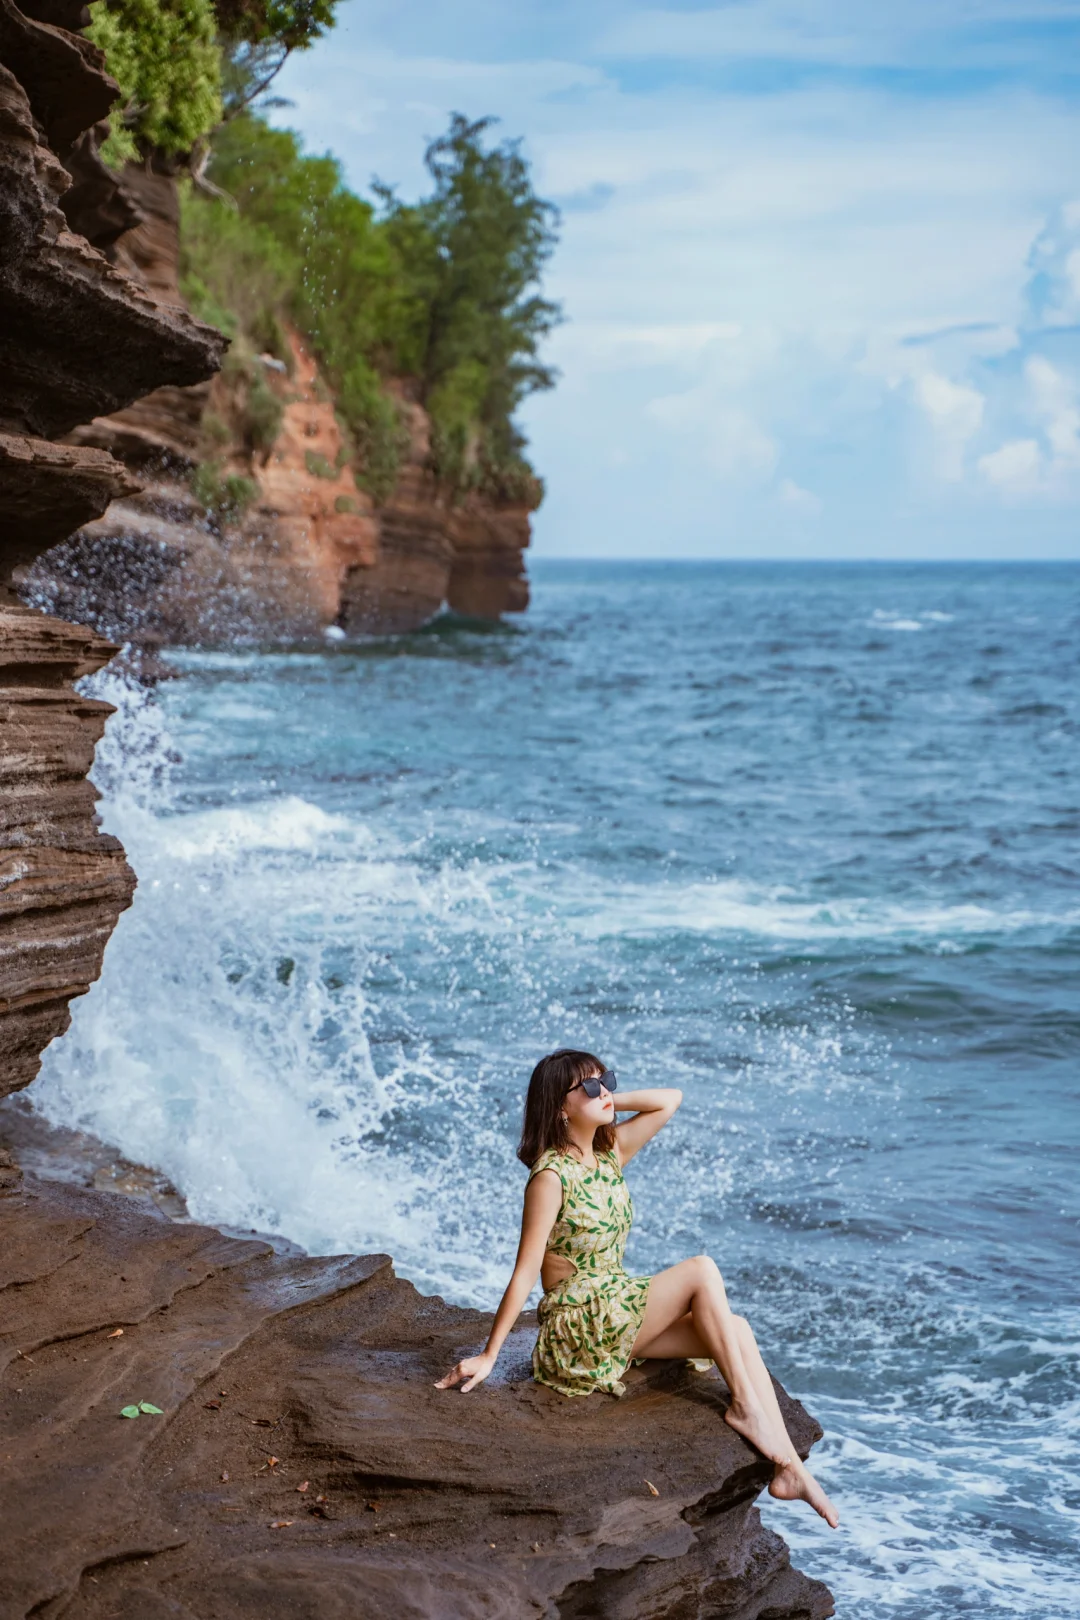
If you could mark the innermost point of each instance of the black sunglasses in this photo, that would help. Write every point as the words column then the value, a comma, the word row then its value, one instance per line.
column 591, row 1087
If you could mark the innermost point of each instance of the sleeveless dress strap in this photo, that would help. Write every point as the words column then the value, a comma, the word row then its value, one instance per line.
column 550, row 1160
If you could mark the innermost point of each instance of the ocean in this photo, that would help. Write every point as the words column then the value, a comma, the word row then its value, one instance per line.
column 801, row 839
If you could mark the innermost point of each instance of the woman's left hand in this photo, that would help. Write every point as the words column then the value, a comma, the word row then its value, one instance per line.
column 473, row 1370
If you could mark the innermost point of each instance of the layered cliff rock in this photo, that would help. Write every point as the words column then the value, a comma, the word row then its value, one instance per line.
column 77, row 337
column 269, row 561
column 255, row 530
column 63, row 883
column 303, row 1464
column 432, row 549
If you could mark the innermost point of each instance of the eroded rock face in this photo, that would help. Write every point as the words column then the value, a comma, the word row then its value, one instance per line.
column 77, row 337
column 311, row 549
column 63, row 882
column 160, row 568
column 278, row 1372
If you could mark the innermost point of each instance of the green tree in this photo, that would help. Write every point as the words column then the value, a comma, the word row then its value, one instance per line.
column 475, row 263
column 444, row 291
column 184, row 65
column 166, row 60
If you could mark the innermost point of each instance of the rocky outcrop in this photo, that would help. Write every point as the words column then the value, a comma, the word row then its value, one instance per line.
column 303, row 1464
column 63, row 882
column 431, row 550
column 307, row 548
column 163, row 567
column 77, row 337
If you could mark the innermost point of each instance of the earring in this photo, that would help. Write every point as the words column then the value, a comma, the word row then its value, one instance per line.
column 565, row 1119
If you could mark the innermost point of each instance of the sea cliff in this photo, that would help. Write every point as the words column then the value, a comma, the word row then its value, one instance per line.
column 225, row 532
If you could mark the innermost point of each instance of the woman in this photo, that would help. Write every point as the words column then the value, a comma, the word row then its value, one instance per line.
column 594, row 1318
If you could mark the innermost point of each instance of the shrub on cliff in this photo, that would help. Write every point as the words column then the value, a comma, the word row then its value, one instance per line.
column 184, row 65
column 166, row 60
column 442, row 291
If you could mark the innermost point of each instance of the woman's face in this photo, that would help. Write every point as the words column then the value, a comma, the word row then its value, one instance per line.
column 589, row 1112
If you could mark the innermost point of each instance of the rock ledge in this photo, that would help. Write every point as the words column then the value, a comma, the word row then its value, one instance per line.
column 304, row 1465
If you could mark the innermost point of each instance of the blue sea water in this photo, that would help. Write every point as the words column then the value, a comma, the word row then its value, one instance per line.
column 802, row 840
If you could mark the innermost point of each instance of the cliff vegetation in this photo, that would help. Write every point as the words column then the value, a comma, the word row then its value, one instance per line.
column 442, row 294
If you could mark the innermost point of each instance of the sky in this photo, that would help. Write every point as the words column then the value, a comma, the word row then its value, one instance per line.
column 819, row 259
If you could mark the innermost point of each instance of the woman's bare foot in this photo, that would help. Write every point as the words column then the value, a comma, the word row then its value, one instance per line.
column 793, row 1483
column 752, row 1423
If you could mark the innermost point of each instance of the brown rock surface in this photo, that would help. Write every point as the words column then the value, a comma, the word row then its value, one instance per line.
column 78, row 338
column 304, row 1465
column 158, row 567
column 63, row 882
column 46, row 490
column 407, row 584
column 487, row 577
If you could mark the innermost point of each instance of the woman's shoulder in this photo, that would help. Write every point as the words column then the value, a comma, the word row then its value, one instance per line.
column 563, row 1164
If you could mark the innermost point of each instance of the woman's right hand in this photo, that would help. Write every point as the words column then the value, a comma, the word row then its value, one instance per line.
column 473, row 1370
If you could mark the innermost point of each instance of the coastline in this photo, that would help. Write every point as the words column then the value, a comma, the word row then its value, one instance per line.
column 301, row 1455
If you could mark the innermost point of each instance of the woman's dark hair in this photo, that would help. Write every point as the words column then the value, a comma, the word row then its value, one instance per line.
column 543, row 1127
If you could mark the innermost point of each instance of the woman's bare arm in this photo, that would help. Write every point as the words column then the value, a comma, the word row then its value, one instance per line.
column 543, row 1200
column 652, row 1110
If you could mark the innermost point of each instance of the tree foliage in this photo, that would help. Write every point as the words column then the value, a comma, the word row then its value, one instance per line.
column 184, row 65
column 165, row 58
column 488, row 238
column 444, row 291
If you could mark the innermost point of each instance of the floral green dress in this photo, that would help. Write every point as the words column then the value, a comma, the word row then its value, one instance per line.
column 589, row 1322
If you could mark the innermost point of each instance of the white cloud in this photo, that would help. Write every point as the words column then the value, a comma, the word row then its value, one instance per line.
column 955, row 411
column 801, row 501
column 1055, row 397
column 1017, row 466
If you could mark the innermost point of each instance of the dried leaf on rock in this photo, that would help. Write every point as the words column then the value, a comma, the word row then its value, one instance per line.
column 119, row 1334
column 652, row 1488
column 282, row 1524
column 302, row 1488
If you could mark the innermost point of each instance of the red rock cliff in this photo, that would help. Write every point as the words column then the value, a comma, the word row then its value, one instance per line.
column 305, row 547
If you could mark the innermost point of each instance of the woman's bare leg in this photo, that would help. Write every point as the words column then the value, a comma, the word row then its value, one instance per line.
column 696, row 1287
column 791, row 1480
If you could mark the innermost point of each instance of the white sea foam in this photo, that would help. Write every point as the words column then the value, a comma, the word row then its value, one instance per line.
column 228, row 1040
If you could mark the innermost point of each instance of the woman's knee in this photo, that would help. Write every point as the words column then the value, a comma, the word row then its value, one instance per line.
column 706, row 1271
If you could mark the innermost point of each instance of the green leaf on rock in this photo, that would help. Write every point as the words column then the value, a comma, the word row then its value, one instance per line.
column 129, row 1411
column 144, row 1406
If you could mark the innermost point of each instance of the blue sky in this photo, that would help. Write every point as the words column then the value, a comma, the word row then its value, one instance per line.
column 820, row 259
